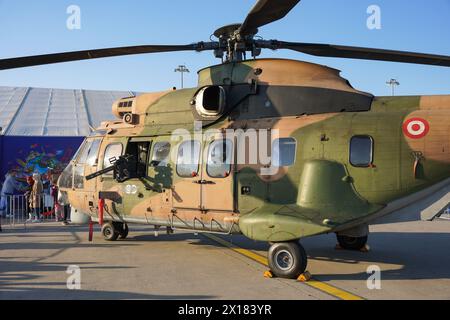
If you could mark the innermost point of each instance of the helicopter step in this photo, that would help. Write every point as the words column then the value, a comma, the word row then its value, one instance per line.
column 114, row 230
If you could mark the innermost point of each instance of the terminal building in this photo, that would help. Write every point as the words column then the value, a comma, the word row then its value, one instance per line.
column 41, row 129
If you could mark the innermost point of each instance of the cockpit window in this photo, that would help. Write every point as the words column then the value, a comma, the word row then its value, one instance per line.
column 93, row 153
column 87, row 156
column 83, row 152
column 65, row 180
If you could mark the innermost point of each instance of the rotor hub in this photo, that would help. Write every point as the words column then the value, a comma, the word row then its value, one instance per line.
column 235, row 43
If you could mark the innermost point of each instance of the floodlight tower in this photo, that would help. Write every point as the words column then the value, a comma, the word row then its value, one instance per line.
column 182, row 69
column 393, row 83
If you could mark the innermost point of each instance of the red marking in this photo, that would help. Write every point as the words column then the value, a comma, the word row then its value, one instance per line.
column 416, row 128
column 101, row 207
column 194, row 174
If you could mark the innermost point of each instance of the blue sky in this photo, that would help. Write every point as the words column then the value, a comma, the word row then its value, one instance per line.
column 37, row 27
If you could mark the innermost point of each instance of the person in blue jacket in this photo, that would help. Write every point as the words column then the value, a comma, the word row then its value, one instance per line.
column 10, row 186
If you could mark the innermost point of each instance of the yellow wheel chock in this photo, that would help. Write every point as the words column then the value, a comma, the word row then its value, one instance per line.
column 305, row 277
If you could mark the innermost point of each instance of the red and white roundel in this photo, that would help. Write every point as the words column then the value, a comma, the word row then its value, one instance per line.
column 416, row 128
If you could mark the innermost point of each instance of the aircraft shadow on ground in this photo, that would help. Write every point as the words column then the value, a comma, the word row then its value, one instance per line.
column 414, row 256
column 409, row 255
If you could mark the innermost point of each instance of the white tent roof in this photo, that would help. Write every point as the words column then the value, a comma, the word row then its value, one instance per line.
column 54, row 112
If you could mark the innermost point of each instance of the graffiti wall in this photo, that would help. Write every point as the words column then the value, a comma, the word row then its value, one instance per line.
column 27, row 155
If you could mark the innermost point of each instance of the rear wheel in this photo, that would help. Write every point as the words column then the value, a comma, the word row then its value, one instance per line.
column 352, row 243
column 287, row 260
column 110, row 232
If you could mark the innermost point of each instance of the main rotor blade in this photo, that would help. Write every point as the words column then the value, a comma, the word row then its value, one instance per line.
column 266, row 11
column 336, row 51
column 22, row 62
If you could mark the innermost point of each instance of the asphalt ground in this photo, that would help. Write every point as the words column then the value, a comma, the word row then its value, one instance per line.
column 413, row 258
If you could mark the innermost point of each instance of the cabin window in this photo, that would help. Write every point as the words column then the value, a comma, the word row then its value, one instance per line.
column 112, row 153
column 188, row 159
column 138, row 163
column 284, row 152
column 361, row 151
column 219, row 158
column 161, row 154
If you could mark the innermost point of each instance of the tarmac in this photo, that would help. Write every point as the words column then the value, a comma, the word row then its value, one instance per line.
column 413, row 258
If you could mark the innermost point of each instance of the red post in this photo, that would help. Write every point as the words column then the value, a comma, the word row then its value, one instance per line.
column 101, row 208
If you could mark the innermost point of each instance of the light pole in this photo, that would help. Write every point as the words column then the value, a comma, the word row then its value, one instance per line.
column 393, row 83
column 182, row 69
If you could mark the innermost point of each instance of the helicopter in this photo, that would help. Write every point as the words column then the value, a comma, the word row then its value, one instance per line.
column 277, row 150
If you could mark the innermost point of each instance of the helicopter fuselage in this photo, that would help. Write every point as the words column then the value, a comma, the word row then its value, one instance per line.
column 338, row 159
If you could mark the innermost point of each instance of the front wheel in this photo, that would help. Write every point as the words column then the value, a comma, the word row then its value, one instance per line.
column 287, row 259
column 110, row 232
column 352, row 243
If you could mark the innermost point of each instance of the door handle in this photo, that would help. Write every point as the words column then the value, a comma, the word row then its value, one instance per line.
column 204, row 182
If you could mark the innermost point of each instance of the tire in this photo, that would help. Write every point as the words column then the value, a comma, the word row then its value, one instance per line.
column 352, row 243
column 123, row 231
column 109, row 232
column 287, row 260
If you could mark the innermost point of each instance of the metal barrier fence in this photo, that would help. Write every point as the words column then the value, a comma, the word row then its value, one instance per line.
column 19, row 209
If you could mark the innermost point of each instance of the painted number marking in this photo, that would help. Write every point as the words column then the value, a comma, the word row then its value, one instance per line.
column 416, row 128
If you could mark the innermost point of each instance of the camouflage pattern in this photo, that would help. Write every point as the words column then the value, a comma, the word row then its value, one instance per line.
column 321, row 192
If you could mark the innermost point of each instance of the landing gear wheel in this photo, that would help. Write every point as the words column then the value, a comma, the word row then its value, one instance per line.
column 110, row 232
column 352, row 243
column 123, row 231
column 287, row 260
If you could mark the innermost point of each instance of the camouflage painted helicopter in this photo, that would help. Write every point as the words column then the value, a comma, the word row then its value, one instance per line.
column 341, row 159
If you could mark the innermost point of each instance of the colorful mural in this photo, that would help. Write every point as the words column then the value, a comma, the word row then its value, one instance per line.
column 44, row 155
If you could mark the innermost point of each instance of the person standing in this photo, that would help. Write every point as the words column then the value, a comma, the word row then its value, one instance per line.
column 54, row 192
column 29, row 188
column 10, row 186
column 37, row 193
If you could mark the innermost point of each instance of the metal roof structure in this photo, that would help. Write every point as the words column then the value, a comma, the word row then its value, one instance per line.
column 54, row 112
